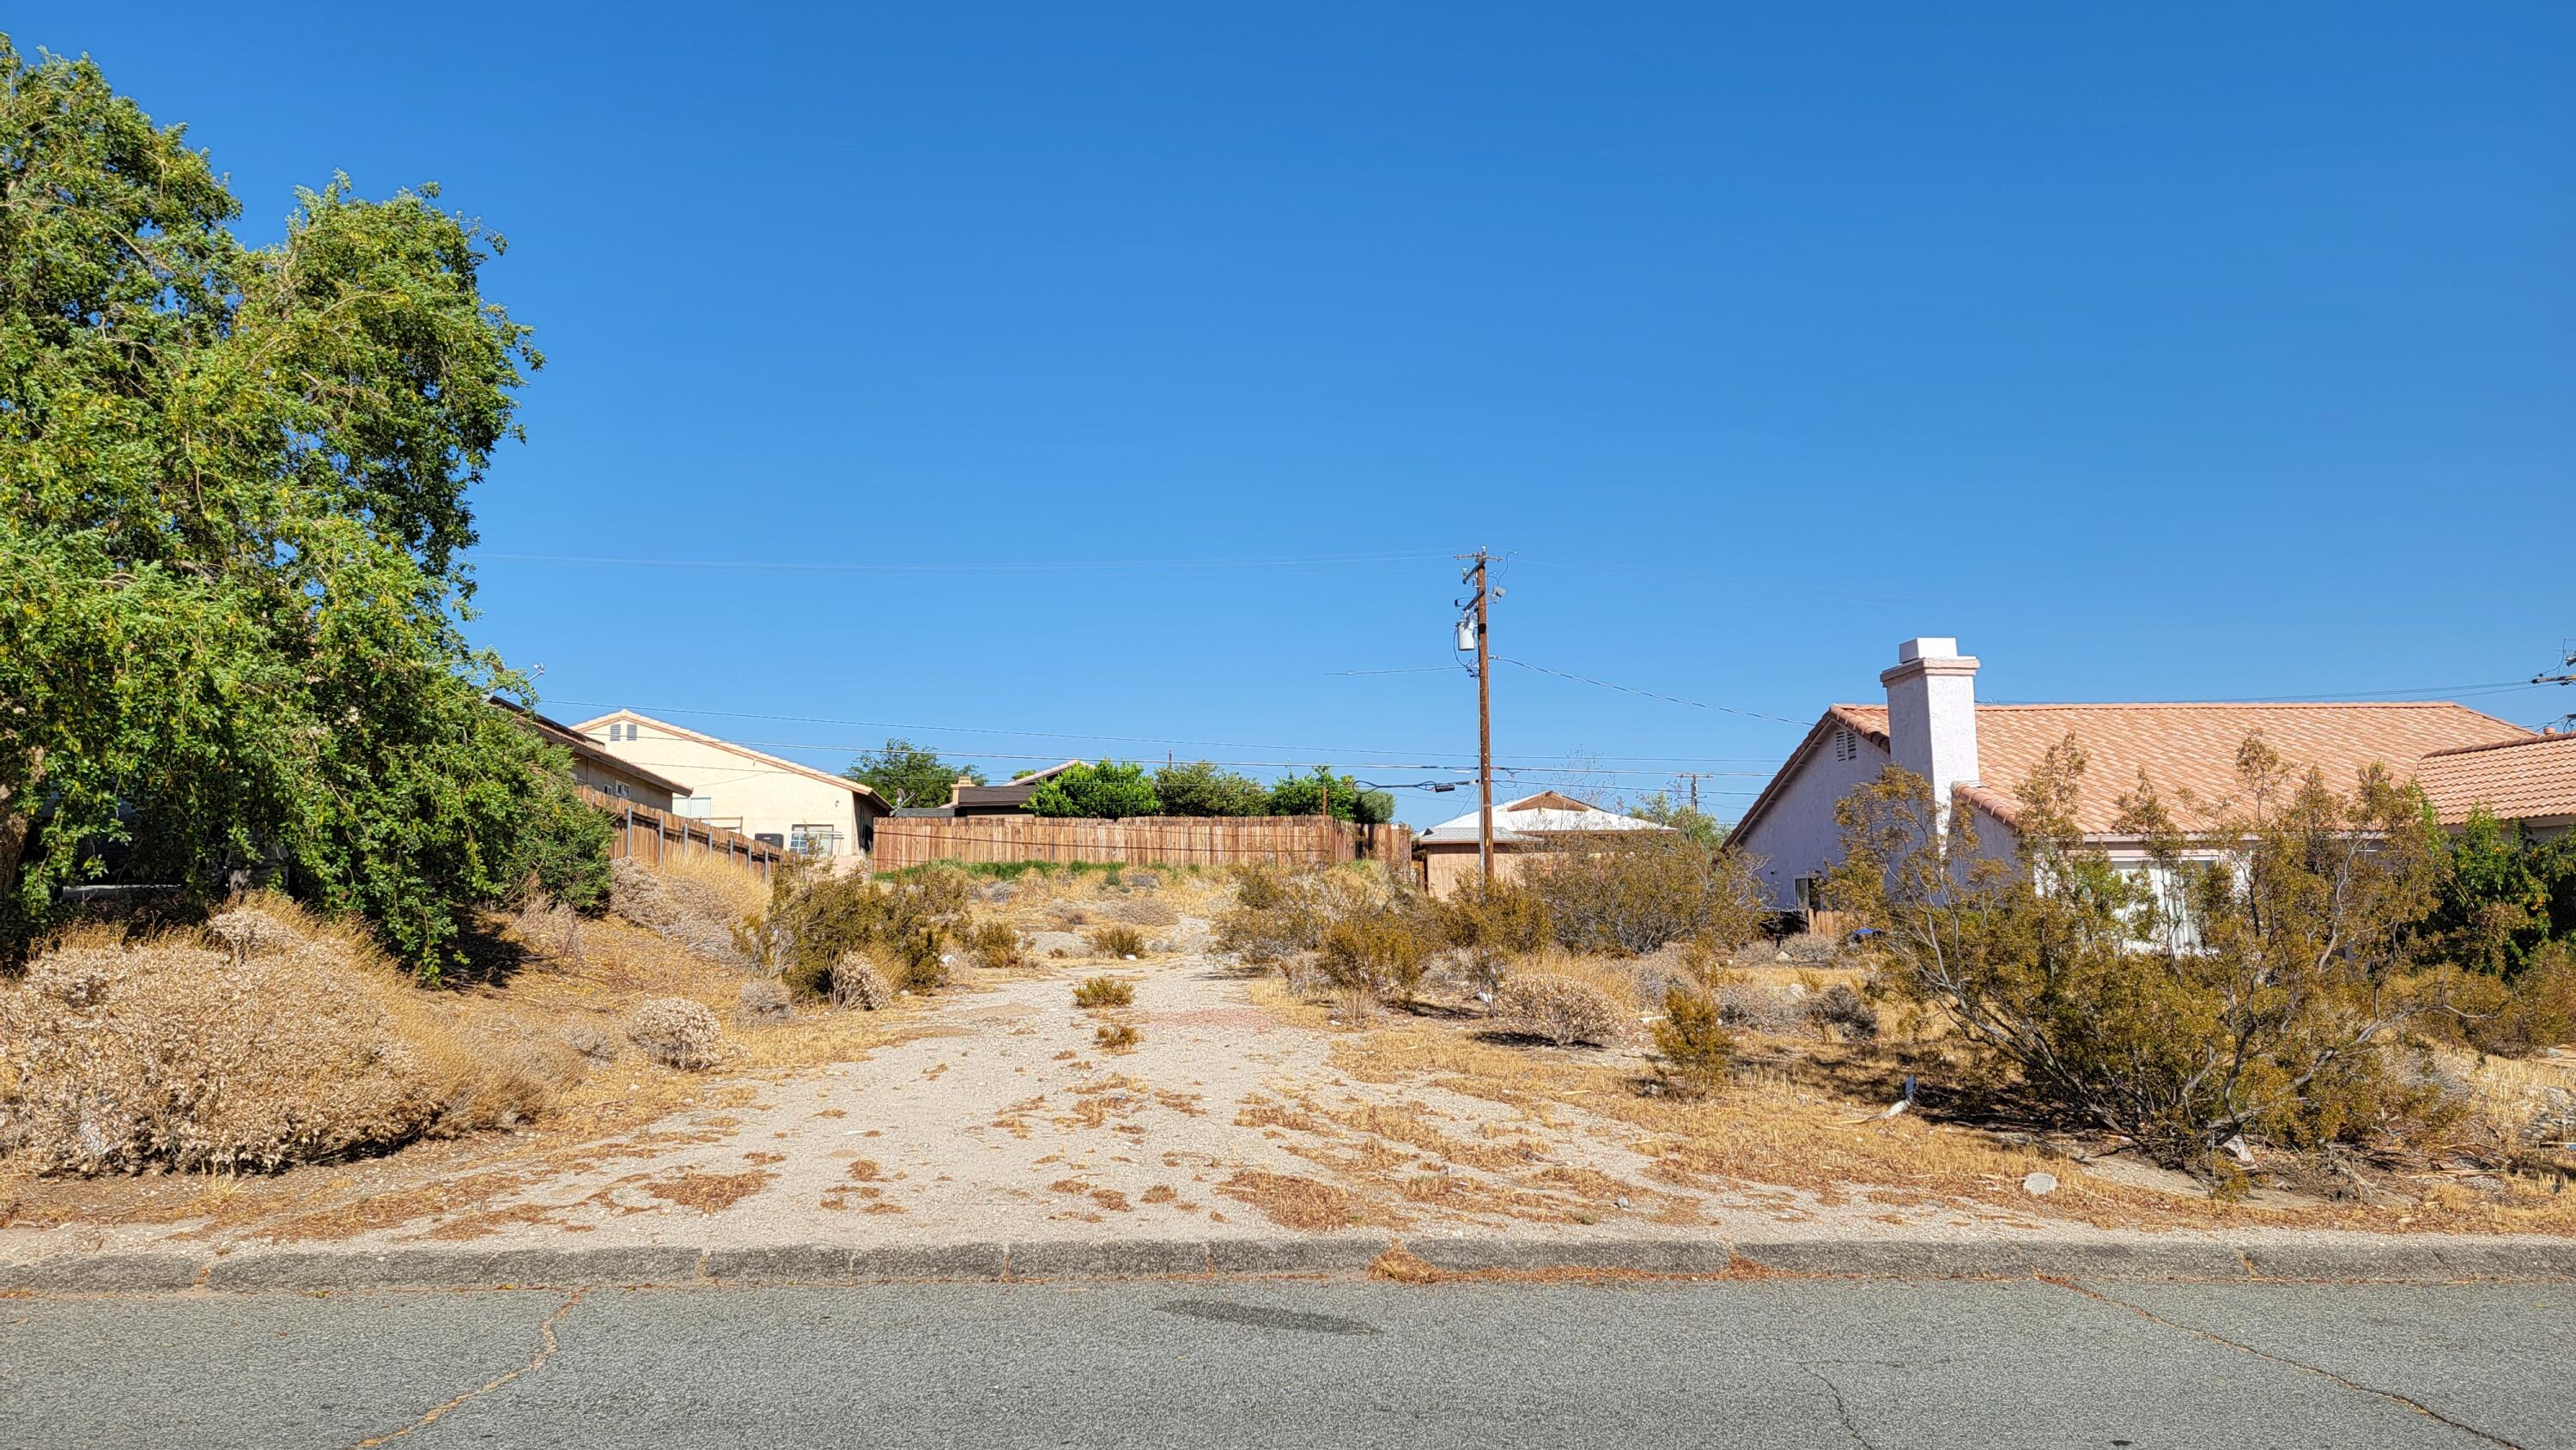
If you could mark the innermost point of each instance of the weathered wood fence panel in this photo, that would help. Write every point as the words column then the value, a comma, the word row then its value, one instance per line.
column 654, row 837
column 907, row 841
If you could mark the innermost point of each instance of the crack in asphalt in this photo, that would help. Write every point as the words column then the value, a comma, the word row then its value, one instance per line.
column 547, row 1344
column 1841, row 1409
column 2418, row 1406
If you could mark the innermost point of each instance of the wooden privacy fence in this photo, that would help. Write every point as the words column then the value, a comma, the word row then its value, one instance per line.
column 907, row 841
column 653, row 837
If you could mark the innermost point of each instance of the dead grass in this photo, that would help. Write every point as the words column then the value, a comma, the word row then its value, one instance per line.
column 709, row 1192
column 1298, row 1203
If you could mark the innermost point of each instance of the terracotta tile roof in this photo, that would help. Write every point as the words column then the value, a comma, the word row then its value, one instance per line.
column 2532, row 779
column 2193, row 746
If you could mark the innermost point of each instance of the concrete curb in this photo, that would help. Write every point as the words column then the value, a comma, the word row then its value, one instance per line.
column 2318, row 1259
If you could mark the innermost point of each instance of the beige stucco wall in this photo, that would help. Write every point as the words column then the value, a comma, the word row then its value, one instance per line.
column 750, row 795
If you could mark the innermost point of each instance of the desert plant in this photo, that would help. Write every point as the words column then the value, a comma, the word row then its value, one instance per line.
column 1561, row 1009
column 1380, row 952
column 676, row 1032
column 1114, row 1037
column 1750, row 1006
column 815, row 919
column 1491, row 926
column 762, row 999
column 1276, row 915
column 1093, row 993
column 857, row 980
column 2253, row 982
column 2537, row 1010
column 1842, row 1008
column 995, row 944
column 1637, row 891
column 1116, row 939
column 1693, row 1042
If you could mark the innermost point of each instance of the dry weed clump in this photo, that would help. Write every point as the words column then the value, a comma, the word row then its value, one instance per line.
column 695, row 903
column 1381, row 953
column 1276, row 915
column 1142, row 911
column 858, row 980
column 815, row 920
column 1494, row 926
column 1752, row 1006
column 1114, row 1037
column 1093, row 993
column 1561, row 1009
column 272, row 1041
column 676, row 1032
column 1638, row 891
column 762, row 999
column 1117, row 940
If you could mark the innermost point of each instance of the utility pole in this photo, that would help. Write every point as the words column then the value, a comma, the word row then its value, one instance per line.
column 2569, row 661
column 1693, row 776
column 1475, row 574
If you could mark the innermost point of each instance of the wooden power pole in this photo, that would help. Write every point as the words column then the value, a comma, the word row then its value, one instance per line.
column 1484, row 722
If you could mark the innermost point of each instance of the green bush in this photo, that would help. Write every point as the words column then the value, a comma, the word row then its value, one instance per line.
column 1491, row 926
column 562, row 846
column 1380, row 952
column 1201, row 788
column 1303, row 795
column 1693, row 1042
column 1110, row 790
column 2538, row 1009
column 1638, row 891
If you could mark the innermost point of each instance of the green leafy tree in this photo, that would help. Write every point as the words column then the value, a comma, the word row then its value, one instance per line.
column 232, row 509
column 1697, row 825
column 909, row 775
column 1201, row 788
column 1109, row 790
column 2504, row 895
column 1304, row 795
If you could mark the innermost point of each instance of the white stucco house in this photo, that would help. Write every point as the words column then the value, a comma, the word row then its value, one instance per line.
column 763, row 796
column 1451, row 854
column 1977, row 756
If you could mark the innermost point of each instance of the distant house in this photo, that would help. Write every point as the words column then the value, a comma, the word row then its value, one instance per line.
column 2529, row 782
column 1977, row 756
column 762, row 796
column 1450, row 854
column 594, row 766
column 1010, row 798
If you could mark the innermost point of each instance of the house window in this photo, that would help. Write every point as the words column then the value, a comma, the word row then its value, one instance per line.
column 817, row 840
column 618, row 789
column 696, row 807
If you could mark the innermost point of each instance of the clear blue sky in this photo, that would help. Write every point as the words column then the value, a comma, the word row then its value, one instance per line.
column 2183, row 352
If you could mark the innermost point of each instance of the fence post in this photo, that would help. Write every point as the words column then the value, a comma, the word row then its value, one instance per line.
column 630, row 829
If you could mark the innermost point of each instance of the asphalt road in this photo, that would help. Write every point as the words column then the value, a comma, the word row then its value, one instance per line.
column 1283, row 1363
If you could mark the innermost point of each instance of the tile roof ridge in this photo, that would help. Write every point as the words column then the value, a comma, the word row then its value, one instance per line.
column 2545, row 737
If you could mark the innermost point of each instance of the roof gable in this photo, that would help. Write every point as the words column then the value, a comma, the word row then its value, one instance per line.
column 2531, row 779
column 856, row 788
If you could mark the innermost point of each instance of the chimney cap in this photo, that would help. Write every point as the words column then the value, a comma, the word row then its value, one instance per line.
column 1928, row 647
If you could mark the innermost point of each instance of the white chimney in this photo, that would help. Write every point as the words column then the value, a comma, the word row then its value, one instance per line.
column 1932, row 714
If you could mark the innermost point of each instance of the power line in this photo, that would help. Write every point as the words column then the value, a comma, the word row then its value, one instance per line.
column 1653, row 695
column 1069, row 566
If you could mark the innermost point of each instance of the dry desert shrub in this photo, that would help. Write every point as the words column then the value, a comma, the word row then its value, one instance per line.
column 815, row 920
column 1118, row 940
column 269, row 1041
column 1114, row 1037
column 1381, row 953
column 1275, row 914
column 858, row 980
column 1635, row 892
column 1141, row 911
column 1097, row 992
column 762, row 999
column 1561, row 1009
column 676, row 1032
column 1752, row 1006
column 1494, row 926
column 696, row 904
column 1842, row 1008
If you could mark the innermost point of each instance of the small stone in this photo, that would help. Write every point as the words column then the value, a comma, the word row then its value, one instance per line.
column 2039, row 1185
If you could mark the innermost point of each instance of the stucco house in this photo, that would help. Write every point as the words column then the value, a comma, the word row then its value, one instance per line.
column 1451, row 854
column 762, row 796
column 594, row 767
column 1977, row 756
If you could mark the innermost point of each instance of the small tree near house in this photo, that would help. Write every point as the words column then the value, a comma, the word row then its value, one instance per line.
column 909, row 775
column 1110, row 790
column 2261, row 989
